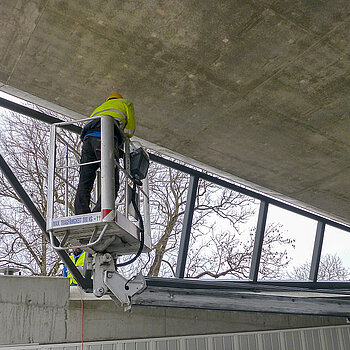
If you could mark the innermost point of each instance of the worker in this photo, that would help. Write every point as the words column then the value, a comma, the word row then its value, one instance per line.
column 121, row 109
column 78, row 257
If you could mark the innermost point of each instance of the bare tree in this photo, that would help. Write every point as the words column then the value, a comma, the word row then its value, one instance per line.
column 331, row 269
column 220, row 246
column 24, row 144
column 229, row 254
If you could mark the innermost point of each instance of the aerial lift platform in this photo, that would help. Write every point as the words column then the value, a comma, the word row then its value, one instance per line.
column 119, row 228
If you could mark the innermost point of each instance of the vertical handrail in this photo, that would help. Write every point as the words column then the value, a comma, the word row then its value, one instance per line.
column 66, row 185
column 127, row 168
column 51, row 176
column 146, row 207
column 98, row 185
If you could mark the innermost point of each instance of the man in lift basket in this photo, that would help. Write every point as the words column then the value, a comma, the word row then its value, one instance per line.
column 123, row 110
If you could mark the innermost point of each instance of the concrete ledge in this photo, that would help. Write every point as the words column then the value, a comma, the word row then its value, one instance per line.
column 45, row 310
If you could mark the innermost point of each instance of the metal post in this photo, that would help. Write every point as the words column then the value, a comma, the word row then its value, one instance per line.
column 316, row 255
column 259, row 238
column 107, row 169
column 186, row 227
column 66, row 185
column 98, row 185
column 51, row 176
column 127, row 168
column 146, row 209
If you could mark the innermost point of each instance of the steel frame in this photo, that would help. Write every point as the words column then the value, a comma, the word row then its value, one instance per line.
column 265, row 201
column 253, row 283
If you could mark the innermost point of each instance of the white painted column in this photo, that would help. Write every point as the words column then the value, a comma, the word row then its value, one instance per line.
column 107, row 169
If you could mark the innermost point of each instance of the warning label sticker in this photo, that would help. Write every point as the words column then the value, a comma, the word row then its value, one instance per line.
column 77, row 220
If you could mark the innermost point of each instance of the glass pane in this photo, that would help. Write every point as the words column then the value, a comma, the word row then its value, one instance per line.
column 288, row 245
column 335, row 257
column 221, row 240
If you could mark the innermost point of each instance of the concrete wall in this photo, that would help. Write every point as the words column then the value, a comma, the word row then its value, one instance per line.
column 40, row 310
column 33, row 309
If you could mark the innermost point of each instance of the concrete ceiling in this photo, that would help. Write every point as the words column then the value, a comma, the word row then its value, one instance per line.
column 256, row 88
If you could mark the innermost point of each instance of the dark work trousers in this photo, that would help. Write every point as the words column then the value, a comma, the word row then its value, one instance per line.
column 91, row 152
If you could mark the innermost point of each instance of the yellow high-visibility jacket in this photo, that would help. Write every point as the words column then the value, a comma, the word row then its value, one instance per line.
column 121, row 109
column 79, row 262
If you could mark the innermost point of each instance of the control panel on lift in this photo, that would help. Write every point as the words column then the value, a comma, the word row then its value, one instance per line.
column 119, row 228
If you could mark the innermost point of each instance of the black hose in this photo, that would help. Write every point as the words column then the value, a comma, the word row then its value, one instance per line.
column 142, row 231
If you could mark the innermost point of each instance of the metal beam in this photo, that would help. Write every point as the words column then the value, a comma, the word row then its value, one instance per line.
column 297, row 303
column 316, row 255
column 29, row 112
column 186, row 226
column 22, row 194
column 258, row 243
column 249, row 192
column 334, row 287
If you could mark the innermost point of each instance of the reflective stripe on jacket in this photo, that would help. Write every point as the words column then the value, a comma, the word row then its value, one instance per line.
column 79, row 262
column 121, row 109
